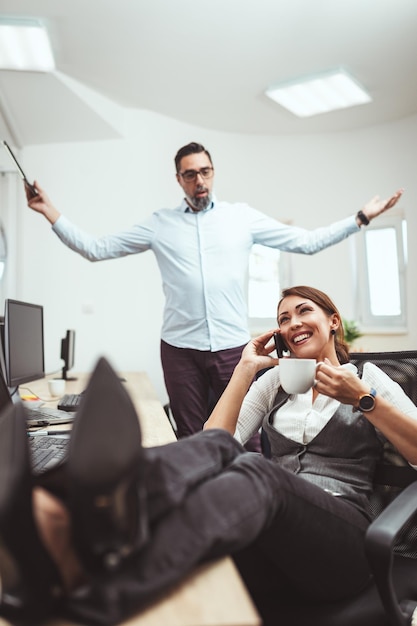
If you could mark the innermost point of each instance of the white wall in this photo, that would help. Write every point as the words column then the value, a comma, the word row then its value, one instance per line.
column 116, row 306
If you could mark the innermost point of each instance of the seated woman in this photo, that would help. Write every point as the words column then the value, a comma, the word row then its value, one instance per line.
column 141, row 519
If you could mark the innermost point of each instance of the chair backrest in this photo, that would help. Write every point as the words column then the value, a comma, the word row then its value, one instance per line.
column 400, row 365
column 391, row 476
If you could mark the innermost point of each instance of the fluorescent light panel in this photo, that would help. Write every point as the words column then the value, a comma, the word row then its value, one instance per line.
column 24, row 45
column 319, row 94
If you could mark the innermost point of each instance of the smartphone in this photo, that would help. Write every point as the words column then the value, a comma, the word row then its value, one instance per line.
column 33, row 191
column 280, row 346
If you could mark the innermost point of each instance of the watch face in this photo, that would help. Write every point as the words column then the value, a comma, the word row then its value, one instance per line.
column 366, row 403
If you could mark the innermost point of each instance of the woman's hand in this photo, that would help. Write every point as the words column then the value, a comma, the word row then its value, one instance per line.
column 257, row 352
column 339, row 383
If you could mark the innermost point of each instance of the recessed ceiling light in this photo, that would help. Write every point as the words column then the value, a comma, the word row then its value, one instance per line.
column 24, row 45
column 319, row 94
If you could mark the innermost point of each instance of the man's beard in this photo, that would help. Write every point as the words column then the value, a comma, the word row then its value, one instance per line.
column 199, row 204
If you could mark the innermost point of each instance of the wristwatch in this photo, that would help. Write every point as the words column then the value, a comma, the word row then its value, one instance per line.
column 367, row 401
column 362, row 218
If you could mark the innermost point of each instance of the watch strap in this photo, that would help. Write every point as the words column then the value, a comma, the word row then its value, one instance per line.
column 362, row 218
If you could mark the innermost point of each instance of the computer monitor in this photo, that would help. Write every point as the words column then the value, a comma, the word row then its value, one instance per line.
column 23, row 342
column 2, row 360
column 67, row 353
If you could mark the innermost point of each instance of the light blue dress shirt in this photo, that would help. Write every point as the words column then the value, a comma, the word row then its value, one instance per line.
column 203, row 259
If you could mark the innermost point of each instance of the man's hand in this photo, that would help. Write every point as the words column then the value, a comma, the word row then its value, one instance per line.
column 375, row 207
column 41, row 203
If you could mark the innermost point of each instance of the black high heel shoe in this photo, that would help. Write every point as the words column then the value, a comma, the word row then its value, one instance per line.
column 107, row 497
column 31, row 584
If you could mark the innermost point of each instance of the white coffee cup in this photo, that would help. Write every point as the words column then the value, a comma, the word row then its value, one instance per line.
column 297, row 375
column 56, row 387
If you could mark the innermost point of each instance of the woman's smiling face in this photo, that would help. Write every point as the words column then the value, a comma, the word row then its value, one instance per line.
column 306, row 328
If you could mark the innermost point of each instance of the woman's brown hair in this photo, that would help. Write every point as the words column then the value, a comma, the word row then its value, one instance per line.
column 323, row 301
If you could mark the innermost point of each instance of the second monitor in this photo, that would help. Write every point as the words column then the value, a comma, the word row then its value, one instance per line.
column 68, row 353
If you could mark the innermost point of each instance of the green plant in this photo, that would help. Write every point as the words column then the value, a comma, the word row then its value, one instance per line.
column 352, row 331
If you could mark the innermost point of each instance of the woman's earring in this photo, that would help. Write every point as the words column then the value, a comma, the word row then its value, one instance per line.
column 333, row 332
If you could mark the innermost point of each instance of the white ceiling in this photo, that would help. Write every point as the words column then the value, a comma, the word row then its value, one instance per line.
column 208, row 63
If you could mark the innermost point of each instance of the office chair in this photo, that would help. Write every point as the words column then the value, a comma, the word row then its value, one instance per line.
column 391, row 540
column 168, row 413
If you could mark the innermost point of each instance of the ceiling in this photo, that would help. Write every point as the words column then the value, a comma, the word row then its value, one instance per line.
column 209, row 63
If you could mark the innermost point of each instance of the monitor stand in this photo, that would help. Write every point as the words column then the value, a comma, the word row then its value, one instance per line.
column 65, row 375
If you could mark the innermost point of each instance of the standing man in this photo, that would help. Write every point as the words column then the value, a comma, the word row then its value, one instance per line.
column 202, row 248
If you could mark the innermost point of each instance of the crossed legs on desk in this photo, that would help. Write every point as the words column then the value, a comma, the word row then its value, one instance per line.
column 114, row 490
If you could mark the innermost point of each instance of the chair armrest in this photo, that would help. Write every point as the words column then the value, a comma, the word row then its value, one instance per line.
column 379, row 545
column 383, row 531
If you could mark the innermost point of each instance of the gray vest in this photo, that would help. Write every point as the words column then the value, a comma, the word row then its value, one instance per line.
column 341, row 458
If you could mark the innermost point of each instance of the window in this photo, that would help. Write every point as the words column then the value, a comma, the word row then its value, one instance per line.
column 269, row 271
column 381, row 269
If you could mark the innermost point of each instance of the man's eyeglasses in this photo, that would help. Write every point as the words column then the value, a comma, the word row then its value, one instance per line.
column 190, row 175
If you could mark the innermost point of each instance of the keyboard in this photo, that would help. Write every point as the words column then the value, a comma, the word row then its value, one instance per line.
column 70, row 402
column 47, row 451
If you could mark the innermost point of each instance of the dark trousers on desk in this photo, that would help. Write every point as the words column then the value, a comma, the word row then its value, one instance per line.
column 195, row 380
column 208, row 498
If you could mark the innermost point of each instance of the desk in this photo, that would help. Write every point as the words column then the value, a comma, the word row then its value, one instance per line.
column 214, row 594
